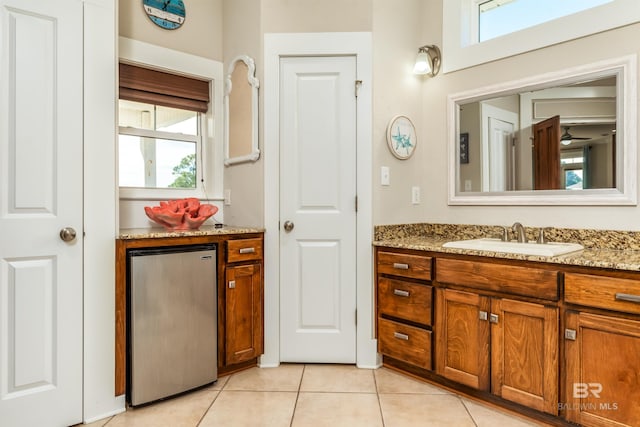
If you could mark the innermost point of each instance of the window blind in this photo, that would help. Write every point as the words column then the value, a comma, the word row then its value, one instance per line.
column 160, row 88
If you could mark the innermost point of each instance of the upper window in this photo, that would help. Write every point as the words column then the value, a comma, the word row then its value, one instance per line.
column 479, row 31
column 499, row 17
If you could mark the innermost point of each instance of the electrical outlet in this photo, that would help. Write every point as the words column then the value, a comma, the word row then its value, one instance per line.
column 227, row 197
column 415, row 195
column 385, row 179
column 467, row 185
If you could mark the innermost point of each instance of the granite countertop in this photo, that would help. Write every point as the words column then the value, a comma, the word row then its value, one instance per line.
column 611, row 250
column 206, row 230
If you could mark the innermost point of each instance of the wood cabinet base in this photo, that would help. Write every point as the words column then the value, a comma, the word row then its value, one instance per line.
column 471, row 393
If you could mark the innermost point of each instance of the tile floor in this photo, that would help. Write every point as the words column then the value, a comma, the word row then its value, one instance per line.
column 316, row 395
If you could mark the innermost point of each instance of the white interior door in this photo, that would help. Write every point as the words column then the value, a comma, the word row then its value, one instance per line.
column 318, row 197
column 498, row 156
column 40, row 194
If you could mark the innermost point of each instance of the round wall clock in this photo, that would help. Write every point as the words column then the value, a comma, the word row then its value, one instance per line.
column 167, row 14
column 401, row 137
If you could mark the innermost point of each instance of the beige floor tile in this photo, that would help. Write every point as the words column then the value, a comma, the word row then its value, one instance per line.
column 489, row 417
column 219, row 385
column 388, row 381
column 434, row 410
column 283, row 378
column 337, row 378
column 337, row 410
column 251, row 409
column 183, row 411
column 99, row 423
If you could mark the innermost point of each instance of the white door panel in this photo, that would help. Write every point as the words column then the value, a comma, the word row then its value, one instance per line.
column 40, row 193
column 317, row 194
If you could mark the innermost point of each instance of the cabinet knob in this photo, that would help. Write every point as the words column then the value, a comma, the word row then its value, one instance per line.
column 493, row 318
column 483, row 315
column 232, row 284
column 570, row 334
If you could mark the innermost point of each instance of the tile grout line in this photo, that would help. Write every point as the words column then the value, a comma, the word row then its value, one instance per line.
column 375, row 383
column 473, row 420
column 213, row 401
column 295, row 405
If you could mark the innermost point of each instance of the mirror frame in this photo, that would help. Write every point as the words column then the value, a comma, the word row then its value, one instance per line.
column 254, row 154
column 625, row 70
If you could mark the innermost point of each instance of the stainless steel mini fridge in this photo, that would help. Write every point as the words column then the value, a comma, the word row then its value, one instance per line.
column 172, row 321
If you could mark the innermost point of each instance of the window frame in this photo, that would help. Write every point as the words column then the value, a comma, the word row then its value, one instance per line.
column 461, row 48
column 209, row 153
column 171, row 136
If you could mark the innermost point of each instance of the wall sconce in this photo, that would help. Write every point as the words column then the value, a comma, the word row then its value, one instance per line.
column 428, row 60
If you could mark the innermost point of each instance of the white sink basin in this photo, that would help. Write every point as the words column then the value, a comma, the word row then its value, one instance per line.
column 530, row 248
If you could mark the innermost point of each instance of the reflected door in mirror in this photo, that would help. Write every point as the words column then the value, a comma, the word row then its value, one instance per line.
column 546, row 154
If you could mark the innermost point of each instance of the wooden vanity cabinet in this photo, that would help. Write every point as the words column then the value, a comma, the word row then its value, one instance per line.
column 602, row 350
column 243, row 302
column 494, row 343
column 404, row 306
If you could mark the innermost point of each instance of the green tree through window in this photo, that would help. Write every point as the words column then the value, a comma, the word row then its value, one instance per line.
column 185, row 173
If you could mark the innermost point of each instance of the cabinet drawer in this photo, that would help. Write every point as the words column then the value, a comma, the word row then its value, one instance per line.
column 406, row 343
column 409, row 301
column 404, row 265
column 244, row 250
column 603, row 292
column 525, row 281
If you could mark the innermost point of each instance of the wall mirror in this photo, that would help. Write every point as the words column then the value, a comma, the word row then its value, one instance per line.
column 563, row 138
column 241, row 112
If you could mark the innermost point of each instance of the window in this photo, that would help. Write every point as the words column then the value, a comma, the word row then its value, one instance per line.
column 572, row 165
column 499, row 17
column 159, row 117
column 158, row 146
column 479, row 31
column 199, row 108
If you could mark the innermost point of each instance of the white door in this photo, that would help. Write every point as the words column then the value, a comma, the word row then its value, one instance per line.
column 40, row 194
column 498, row 154
column 318, row 196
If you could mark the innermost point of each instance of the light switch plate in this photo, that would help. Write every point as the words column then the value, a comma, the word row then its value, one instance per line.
column 415, row 195
column 227, row 197
column 385, row 179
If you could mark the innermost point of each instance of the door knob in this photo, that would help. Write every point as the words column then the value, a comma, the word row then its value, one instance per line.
column 67, row 234
column 288, row 226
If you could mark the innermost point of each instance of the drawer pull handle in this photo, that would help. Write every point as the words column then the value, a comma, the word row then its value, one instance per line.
column 400, row 293
column 400, row 266
column 401, row 336
column 247, row 250
column 493, row 318
column 627, row 297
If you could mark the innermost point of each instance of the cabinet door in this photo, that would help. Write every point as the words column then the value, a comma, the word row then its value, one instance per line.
column 462, row 344
column 524, row 353
column 243, row 326
column 603, row 362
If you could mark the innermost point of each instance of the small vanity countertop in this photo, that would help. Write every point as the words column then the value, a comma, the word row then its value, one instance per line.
column 207, row 230
column 413, row 237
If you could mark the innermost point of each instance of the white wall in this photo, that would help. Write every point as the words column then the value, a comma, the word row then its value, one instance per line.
column 429, row 165
column 99, row 210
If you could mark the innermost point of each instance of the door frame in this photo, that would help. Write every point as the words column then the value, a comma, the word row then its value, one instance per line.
column 277, row 45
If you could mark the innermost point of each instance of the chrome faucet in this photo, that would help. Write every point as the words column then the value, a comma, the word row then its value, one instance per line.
column 520, row 232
